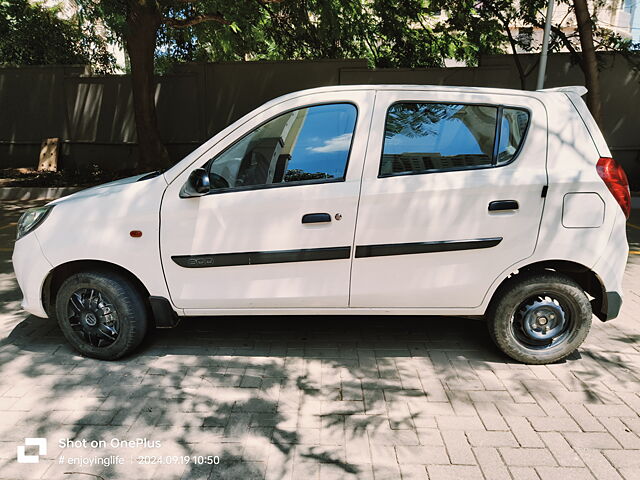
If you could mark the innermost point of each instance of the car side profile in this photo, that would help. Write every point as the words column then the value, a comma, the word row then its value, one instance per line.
column 351, row 200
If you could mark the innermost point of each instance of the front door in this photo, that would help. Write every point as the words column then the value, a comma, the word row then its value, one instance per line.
column 451, row 197
column 276, row 230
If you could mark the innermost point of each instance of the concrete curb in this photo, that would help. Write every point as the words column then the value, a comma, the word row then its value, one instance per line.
column 35, row 193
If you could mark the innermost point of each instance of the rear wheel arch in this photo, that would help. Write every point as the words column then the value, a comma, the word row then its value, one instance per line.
column 582, row 275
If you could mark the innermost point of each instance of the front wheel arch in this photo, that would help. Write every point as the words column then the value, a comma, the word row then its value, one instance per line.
column 63, row 271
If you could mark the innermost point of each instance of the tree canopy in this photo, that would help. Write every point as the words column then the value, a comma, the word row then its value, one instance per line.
column 388, row 33
column 31, row 34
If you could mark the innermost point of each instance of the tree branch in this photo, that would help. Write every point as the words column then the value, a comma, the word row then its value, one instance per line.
column 516, row 56
column 563, row 39
column 259, row 1
column 207, row 17
column 190, row 21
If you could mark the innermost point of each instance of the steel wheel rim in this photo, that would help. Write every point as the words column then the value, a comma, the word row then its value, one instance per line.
column 543, row 321
column 93, row 318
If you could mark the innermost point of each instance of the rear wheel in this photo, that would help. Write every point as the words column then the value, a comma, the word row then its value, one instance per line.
column 541, row 318
column 101, row 314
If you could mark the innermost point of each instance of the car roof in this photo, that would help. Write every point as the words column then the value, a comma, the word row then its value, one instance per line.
column 439, row 88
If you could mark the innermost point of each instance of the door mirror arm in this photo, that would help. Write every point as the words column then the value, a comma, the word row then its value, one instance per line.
column 197, row 185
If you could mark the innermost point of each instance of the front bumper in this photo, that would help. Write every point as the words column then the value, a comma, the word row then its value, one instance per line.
column 31, row 268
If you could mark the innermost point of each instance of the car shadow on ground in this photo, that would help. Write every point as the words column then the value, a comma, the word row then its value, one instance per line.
column 288, row 387
column 273, row 335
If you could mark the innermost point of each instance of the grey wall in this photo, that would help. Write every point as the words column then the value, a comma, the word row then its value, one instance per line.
column 93, row 116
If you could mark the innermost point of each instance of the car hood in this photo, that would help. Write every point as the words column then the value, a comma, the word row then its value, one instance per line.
column 110, row 188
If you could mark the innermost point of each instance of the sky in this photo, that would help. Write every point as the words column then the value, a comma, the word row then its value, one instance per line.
column 325, row 138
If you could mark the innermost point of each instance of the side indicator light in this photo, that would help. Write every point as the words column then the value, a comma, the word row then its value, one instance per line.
column 135, row 233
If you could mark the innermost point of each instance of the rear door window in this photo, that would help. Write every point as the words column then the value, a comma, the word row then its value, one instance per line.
column 430, row 137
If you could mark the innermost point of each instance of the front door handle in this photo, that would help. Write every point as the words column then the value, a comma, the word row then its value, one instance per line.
column 498, row 205
column 316, row 218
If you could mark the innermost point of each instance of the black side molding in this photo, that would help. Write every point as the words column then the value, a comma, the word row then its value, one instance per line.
column 383, row 250
column 262, row 258
column 329, row 253
column 163, row 314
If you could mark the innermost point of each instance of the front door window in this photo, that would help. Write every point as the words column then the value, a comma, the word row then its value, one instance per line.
column 301, row 146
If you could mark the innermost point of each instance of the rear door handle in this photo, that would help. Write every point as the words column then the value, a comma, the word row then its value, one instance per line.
column 498, row 205
column 316, row 218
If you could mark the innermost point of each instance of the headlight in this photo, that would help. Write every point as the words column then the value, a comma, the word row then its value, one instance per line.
column 31, row 219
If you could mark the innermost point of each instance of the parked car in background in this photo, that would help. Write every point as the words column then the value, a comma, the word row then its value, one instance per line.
column 351, row 200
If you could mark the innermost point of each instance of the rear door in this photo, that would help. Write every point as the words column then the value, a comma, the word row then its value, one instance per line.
column 451, row 197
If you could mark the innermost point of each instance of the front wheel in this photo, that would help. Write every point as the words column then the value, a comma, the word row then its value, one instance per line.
column 540, row 319
column 101, row 314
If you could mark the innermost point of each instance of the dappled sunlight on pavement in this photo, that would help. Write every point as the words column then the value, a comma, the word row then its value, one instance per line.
column 322, row 397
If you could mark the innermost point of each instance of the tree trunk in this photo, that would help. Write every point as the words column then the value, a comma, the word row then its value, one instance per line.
column 143, row 20
column 589, row 59
column 516, row 57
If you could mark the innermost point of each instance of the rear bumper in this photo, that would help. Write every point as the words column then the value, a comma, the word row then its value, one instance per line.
column 610, row 270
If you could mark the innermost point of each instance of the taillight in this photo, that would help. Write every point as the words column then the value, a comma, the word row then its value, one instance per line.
column 616, row 180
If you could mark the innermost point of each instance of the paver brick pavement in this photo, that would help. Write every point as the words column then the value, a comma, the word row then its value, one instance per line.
column 321, row 398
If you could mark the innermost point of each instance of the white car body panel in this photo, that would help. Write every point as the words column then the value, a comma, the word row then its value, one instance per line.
column 447, row 206
column 94, row 224
column 100, row 220
column 611, row 264
column 571, row 166
column 265, row 220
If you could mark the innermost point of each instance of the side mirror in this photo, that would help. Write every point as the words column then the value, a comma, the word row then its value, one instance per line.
column 197, row 185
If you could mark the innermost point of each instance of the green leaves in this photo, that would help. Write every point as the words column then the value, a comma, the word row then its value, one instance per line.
column 31, row 34
column 388, row 33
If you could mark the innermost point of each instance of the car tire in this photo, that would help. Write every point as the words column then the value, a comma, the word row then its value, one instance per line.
column 539, row 318
column 101, row 314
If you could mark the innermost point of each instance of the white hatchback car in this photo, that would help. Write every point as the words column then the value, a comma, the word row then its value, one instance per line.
column 351, row 200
